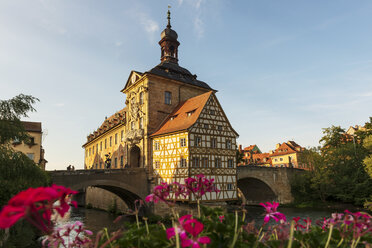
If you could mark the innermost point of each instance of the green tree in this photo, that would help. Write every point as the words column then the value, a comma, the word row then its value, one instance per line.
column 17, row 171
column 337, row 171
column 11, row 112
column 367, row 143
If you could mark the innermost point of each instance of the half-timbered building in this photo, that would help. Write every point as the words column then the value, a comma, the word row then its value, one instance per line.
column 197, row 138
column 172, row 125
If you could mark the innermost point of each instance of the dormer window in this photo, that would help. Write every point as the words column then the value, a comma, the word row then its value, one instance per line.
column 172, row 117
column 190, row 112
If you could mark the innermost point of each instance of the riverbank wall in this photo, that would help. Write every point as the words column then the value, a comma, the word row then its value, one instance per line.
column 104, row 199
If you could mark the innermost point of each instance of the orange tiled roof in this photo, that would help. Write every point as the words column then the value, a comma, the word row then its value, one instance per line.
column 248, row 148
column 179, row 119
column 259, row 158
column 287, row 148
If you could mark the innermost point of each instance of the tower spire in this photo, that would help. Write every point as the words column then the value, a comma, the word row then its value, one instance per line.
column 169, row 25
column 169, row 43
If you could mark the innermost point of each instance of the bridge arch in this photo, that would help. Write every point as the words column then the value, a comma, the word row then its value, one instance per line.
column 124, row 191
column 257, row 190
column 128, row 184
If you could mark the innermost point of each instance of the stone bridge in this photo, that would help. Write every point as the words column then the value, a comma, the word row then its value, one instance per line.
column 129, row 184
column 258, row 184
column 261, row 184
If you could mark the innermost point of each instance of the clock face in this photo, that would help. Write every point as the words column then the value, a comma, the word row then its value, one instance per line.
column 134, row 77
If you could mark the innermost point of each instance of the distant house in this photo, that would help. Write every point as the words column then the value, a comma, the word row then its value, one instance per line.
column 33, row 149
column 352, row 130
column 286, row 155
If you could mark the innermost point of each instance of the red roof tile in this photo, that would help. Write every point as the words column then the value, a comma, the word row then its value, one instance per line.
column 179, row 119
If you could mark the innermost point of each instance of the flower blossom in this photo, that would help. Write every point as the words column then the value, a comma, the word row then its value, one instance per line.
column 61, row 235
column 272, row 213
column 200, row 185
column 189, row 230
column 160, row 192
column 36, row 205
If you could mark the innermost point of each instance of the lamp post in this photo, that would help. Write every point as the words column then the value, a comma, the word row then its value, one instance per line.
column 108, row 160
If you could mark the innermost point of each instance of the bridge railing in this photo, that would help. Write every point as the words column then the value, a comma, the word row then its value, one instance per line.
column 96, row 171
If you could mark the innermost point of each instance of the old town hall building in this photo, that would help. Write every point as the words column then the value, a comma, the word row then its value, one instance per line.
column 172, row 125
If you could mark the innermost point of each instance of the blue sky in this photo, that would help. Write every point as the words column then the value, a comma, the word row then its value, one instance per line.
column 283, row 69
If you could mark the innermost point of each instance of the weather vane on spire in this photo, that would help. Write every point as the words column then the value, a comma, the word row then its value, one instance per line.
column 169, row 25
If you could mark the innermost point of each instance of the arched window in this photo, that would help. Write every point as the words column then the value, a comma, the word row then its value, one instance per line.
column 171, row 49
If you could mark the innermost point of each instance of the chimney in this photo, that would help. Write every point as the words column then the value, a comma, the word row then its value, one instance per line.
column 277, row 146
column 240, row 148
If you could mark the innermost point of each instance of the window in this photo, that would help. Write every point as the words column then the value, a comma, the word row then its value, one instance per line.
column 96, row 165
column 105, row 143
column 198, row 141
column 30, row 156
column 228, row 144
column 157, row 164
column 183, row 163
column 213, row 142
column 141, row 123
column 168, row 97
column 204, row 163
column 219, row 128
column 230, row 163
column 122, row 135
column 173, row 117
column 141, row 98
column 32, row 141
column 206, row 126
column 183, row 142
column 195, row 162
column 132, row 125
column 115, row 162
column 212, row 112
column 116, row 138
column 157, row 146
column 90, row 151
column 217, row 162
column 190, row 112
column 93, row 150
column 229, row 186
column 100, row 165
column 110, row 141
column 100, row 146
column 281, row 159
column 121, row 161
column 276, row 160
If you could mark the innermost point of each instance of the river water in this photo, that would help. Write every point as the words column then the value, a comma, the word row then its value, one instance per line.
column 95, row 220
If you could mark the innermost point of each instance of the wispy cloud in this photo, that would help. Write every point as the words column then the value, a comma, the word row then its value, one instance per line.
column 196, row 5
column 149, row 25
column 61, row 104
column 118, row 43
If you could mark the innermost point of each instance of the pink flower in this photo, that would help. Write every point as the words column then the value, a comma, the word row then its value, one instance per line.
column 188, row 230
column 37, row 206
column 221, row 218
column 272, row 213
column 160, row 192
column 200, row 185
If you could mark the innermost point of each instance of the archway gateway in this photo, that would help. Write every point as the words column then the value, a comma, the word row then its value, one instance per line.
column 135, row 157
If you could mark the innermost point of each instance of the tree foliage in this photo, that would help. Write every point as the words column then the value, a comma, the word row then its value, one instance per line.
column 17, row 171
column 337, row 168
column 11, row 112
